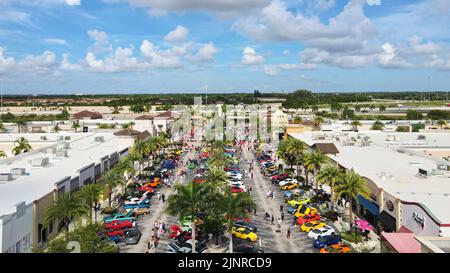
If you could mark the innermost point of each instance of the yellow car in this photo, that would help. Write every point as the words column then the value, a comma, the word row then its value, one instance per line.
column 245, row 234
column 303, row 210
column 289, row 186
column 296, row 202
column 307, row 227
column 141, row 211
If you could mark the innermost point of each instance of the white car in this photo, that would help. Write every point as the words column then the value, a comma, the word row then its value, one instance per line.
column 135, row 200
column 236, row 184
column 287, row 181
column 323, row 231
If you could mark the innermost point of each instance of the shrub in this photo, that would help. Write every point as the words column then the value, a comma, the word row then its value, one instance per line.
column 109, row 210
column 352, row 237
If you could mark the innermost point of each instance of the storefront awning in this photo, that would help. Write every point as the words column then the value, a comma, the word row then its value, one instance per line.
column 402, row 242
column 387, row 220
column 368, row 205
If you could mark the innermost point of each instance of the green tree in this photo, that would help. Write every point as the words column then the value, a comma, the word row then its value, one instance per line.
column 2, row 154
column 90, row 195
column 236, row 206
column 328, row 175
column 382, row 108
column 21, row 145
column 66, row 207
column 191, row 199
column 76, row 125
column 313, row 162
column 111, row 180
column 356, row 124
column 441, row 123
column 137, row 108
column 351, row 185
column 217, row 178
column 413, row 115
column 318, row 121
column 20, row 124
column 377, row 125
column 56, row 128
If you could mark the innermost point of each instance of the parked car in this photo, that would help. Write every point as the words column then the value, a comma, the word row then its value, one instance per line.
column 308, row 218
column 320, row 232
column 244, row 224
column 132, row 236
column 246, row 248
column 327, row 241
column 118, row 224
column 338, row 248
column 245, row 234
column 120, row 216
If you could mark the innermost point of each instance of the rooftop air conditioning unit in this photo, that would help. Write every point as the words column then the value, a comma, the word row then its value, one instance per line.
column 62, row 146
column 67, row 138
column 40, row 161
column 99, row 139
column 60, row 137
column 6, row 176
column 51, row 150
column 43, row 138
column 18, row 171
column 62, row 153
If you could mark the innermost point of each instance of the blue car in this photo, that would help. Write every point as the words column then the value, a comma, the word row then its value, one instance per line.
column 120, row 216
column 137, row 206
column 287, row 194
column 326, row 241
column 291, row 210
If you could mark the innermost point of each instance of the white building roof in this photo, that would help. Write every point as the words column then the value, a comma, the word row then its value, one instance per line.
column 39, row 181
column 395, row 172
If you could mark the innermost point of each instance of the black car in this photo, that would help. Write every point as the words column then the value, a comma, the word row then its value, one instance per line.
column 132, row 236
column 246, row 248
column 246, row 225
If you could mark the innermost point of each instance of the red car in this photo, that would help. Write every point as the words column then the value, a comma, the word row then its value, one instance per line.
column 199, row 180
column 280, row 176
column 111, row 232
column 146, row 188
column 119, row 225
column 308, row 218
column 236, row 189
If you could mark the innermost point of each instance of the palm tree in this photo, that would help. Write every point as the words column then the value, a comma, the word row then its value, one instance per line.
column 65, row 207
column 111, row 180
column 289, row 149
column 131, row 124
column 189, row 200
column 318, row 121
column 90, row 195
column 356, row 124
column 141, row 149
column 441, row 123
column 236, row 206
column 328, row 175
column 3, row 154
column 21, row 145
column 217, row 178
column 2, row 127
column 76, row 125
column 20, row 124
column 351, row 185
column 313, row 162
column 56, row 129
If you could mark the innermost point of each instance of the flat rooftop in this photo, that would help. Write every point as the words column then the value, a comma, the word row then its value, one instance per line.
column 39, row 181
column 396, row 172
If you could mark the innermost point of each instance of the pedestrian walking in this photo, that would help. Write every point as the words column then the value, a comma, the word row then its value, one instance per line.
column 279, row 223
column 158, row 194
column 163, row 196
column 282, row 216
column 267, row 216
column 281, row 208
column 288, row 235
column 254, row 212
column 272, row 219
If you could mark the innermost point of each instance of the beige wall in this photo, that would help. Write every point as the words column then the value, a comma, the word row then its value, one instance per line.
column 40, row 208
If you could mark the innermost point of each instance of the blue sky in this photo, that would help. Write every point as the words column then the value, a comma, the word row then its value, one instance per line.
column 163, row 46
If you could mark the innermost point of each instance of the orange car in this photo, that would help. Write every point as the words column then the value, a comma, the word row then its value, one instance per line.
column 199, row 180
column 153, row 183
column 338, row 248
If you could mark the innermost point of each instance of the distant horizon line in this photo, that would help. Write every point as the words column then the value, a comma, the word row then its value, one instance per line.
column 209, row 93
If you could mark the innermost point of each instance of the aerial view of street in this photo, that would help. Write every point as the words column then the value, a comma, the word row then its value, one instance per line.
column 197, row 130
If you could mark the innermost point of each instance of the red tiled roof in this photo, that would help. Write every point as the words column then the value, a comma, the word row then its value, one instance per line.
column 87, row 114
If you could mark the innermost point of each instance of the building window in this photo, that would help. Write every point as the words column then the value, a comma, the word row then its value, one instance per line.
column 19, row 246
column 26, row 243
column 50, row 228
